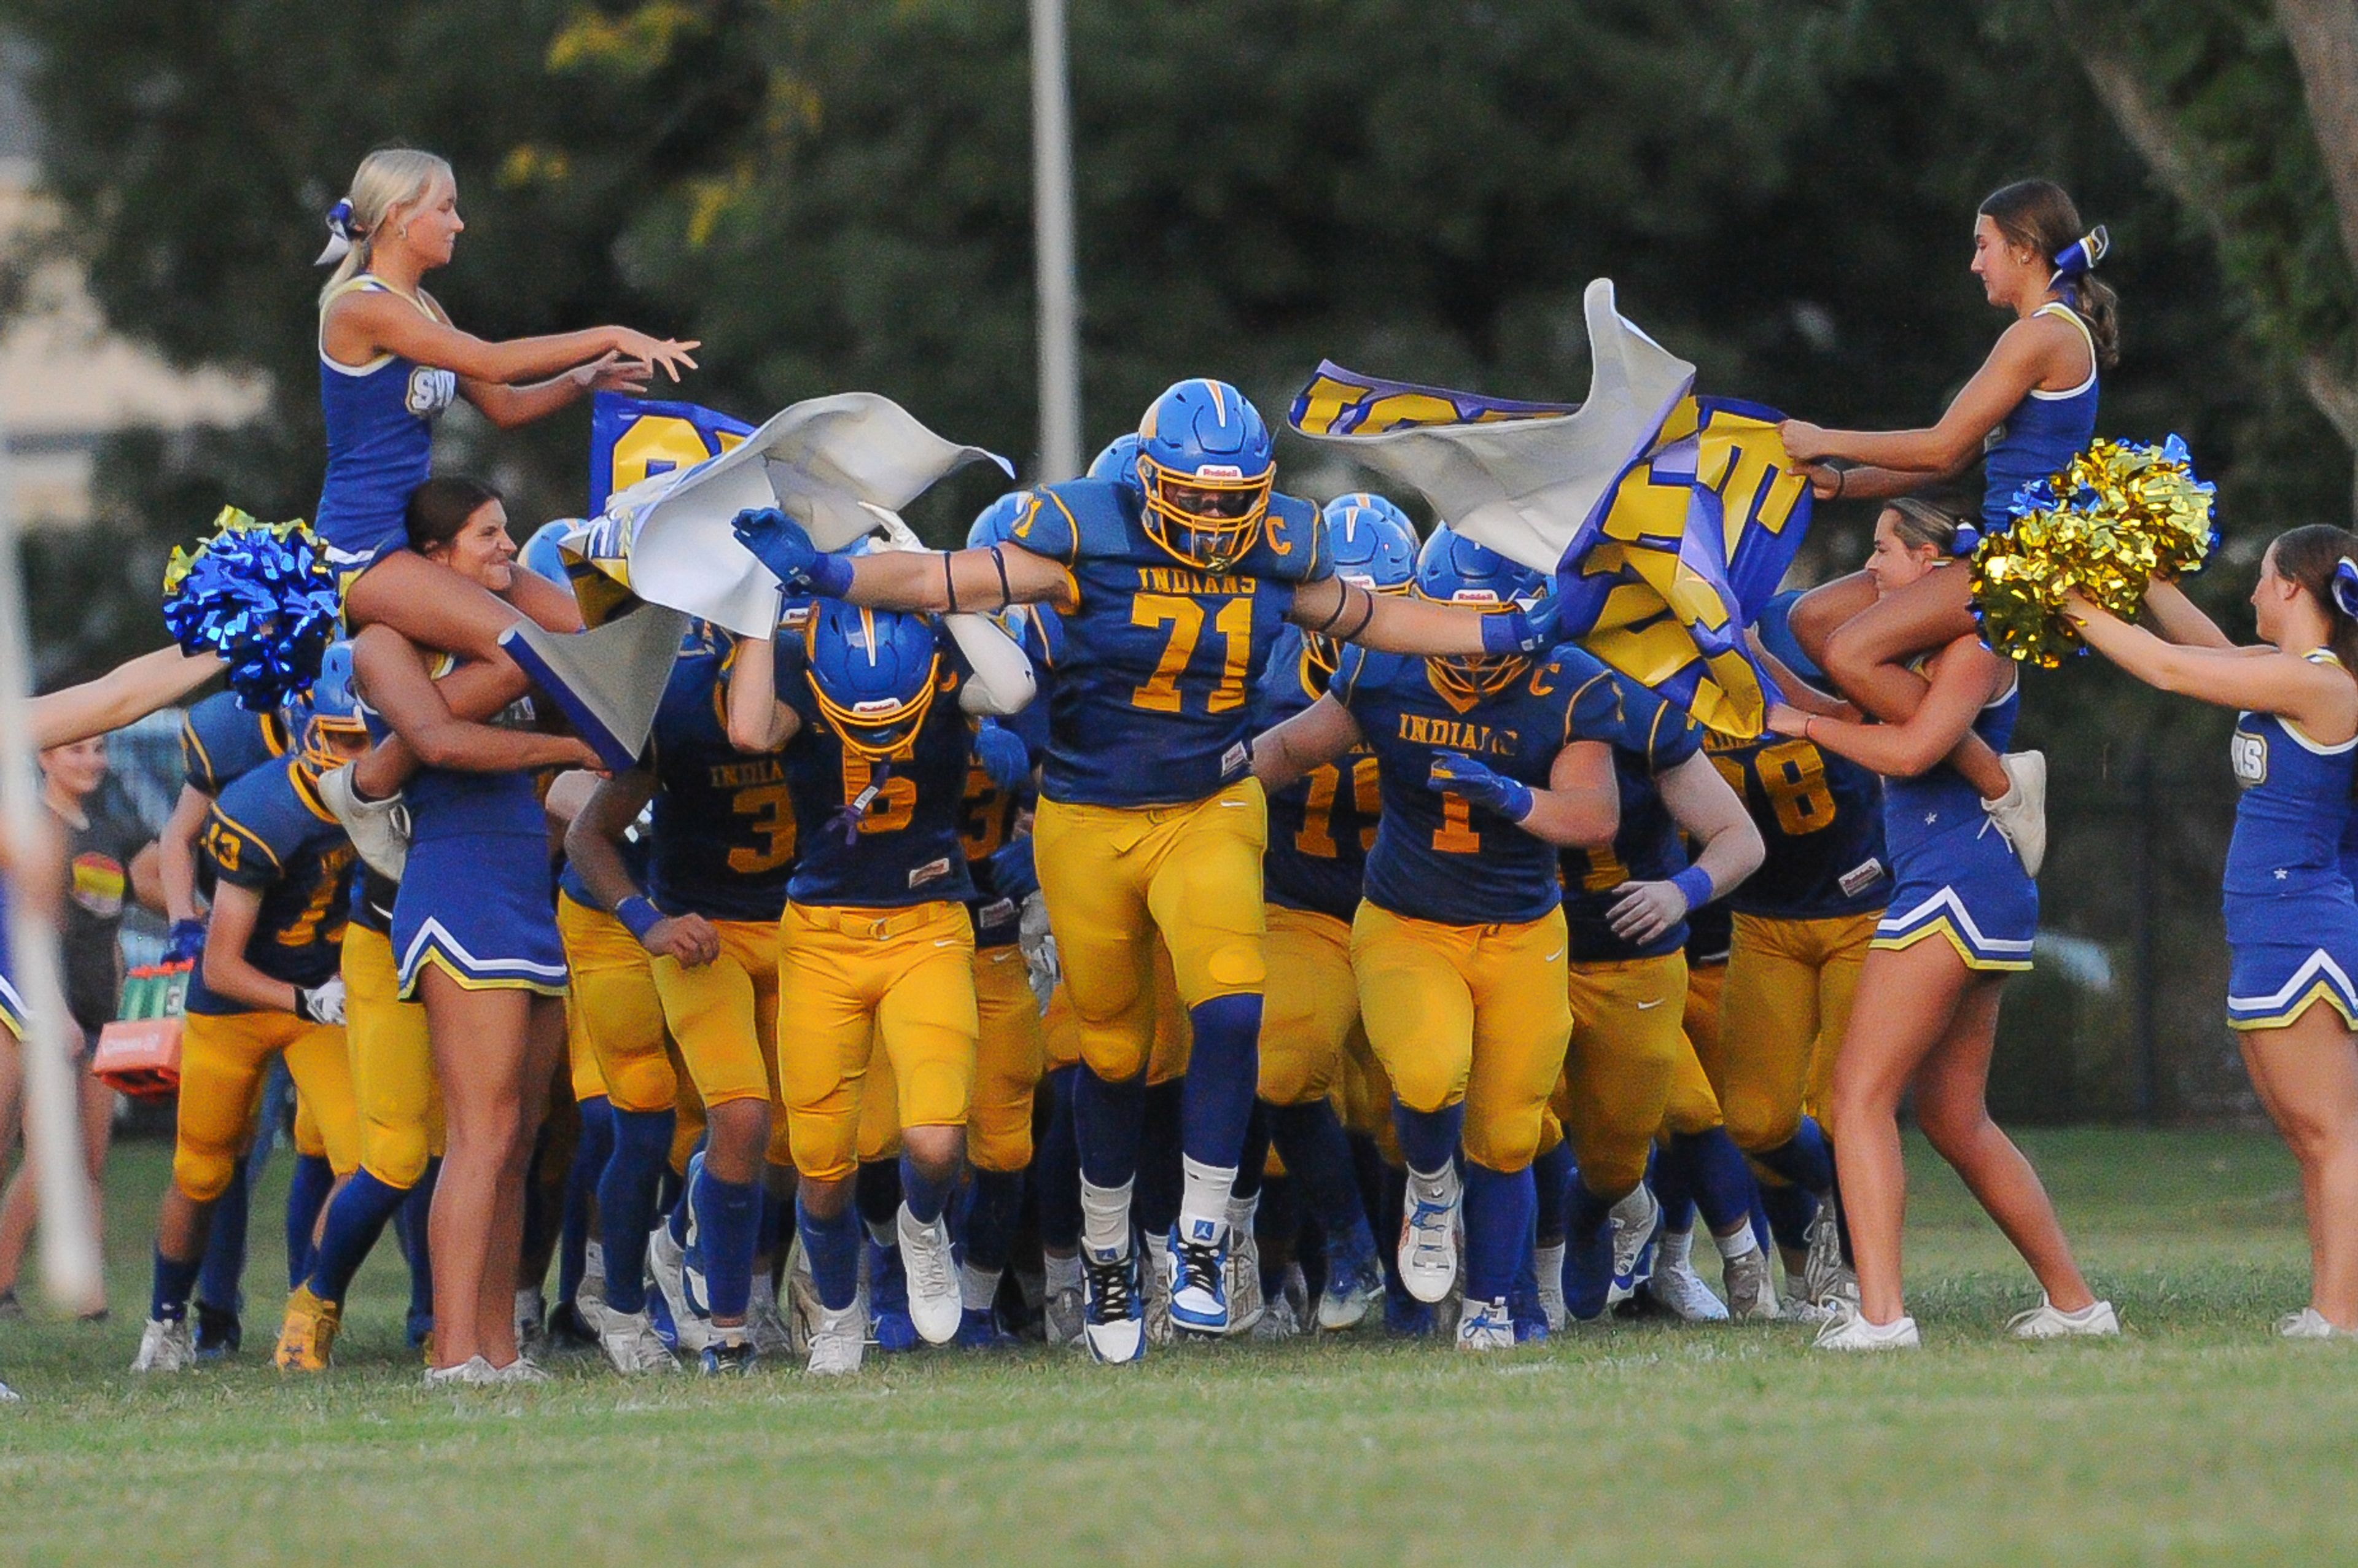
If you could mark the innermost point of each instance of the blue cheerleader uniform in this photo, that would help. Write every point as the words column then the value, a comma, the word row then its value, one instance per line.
column 477, row 900
column 12, row 1006
column 1956, row 877
column 380, row 420
column 2037, row 436
column 2292, row 922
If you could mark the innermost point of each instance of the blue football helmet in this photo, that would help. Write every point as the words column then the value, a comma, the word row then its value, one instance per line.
column 1373, row 545
column 541, row 557
column 995, row 523
column 1453, row 569
column 875, row 673
column 331, row 711
column 1205, row 462
column 1118, row 464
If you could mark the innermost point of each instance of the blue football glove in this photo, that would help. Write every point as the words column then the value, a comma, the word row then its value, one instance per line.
column 1523, row 630
column 1004, row 756
column 186, row 943
column 1455, row 774
column 779, row 543
column 1013, row 873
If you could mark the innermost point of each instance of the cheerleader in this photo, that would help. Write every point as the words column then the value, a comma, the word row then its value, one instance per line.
column 1962, row 915
column 390, row 363
column 2025, row 412
column 2292, row 926
column 474, row 932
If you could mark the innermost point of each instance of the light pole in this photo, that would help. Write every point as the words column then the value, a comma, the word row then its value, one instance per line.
column 1052, row 232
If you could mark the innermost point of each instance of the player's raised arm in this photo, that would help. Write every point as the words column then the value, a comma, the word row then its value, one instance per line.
column 941, row 582
column 1393, row 623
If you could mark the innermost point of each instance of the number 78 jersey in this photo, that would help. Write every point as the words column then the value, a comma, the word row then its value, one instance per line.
column 1153, row 699
column 1821, row 819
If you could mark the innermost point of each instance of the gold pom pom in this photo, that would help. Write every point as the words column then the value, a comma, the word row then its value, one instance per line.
column 2120, row 513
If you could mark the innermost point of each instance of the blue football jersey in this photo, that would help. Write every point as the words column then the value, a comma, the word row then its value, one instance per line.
column 271, row 832
column 1151, row 704
column 1649, row 737
column 1438, row 857
column 1322, row 826
column 221, row 742
column 1040, row 633
column 724, row 836
column 907, row 846
column 1821, row 816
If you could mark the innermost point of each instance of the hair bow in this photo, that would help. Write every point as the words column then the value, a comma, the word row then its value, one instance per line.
column 2083, row 254
column 341, row 235
column 2345, row 587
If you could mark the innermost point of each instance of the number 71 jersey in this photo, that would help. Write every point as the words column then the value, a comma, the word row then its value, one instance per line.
column 1153, row 698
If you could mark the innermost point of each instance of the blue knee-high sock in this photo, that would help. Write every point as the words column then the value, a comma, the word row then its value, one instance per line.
column 774, row 1213
column 410, row 1225
column 1056, row 1169
column 1253, row 1160
column 1428, row 1139
column 676, row 1216
column 627, row 1190
column 1499, row 1207
column 1162, row 1175
column 168, row 1299
column 1670, row 1172
column 224, row 1270
column 1805, row 1160
column 305, row 1194
column 1723, row 1182
column 590, row 1153
column 1222, row 1072
column 1309, row 1137
column 727, row 1218
column 992, row 1219
column 1551, row 1175
column 1588, row 1253
column 1107, row 1120
column 356, row 1218
column 833, row 1247
column 925, row 1197
column 1788, row 1211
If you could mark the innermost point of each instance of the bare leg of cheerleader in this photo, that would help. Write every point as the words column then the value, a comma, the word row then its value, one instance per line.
column 1866, row 654
column 2307, row 1076
column 480, row 1044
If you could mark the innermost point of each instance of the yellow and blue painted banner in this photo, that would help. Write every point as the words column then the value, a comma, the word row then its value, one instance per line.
column 631, row 438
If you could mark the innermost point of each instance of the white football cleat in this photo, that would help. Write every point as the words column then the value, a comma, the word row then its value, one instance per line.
column 1428, row 1238
column 934, row 1302
column 1849, row 1330
column 1154, row 1291
column 2311, row 1323
column 166, row 1345
column 667, row 1261
column 1241, row 1281
column 1635, row 1218
column 2096, row 1321
column 473, row 1372
column 631, row 1345
column 803, row 1308
column 1487, row 1325
column 9, row 1396
column 1199, row 1257
column 379, row 829
column 1794, row 1308
column 1677, row 1289
column 836, row 1346
column 1825, row 1278
column 1113, row 1323
column 589, row 1295
column 523, row 1369
column 1061, row 1314
column 2021, row 813
column 1751, row 1286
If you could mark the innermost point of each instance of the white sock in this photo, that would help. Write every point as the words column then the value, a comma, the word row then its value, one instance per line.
column 1441, row 1187
column 1672, row 1249
column 1635, row 1206
column 1739, row 1243
column 1204, row 1199
column 1158, row 1256
column 977, row 1288
column 593, row 1263
column 885, row 1233
column 1105, row 1218
column 1062, row 1274
column 1549, row 1261
column 1240, row 1214
column 765, row 1290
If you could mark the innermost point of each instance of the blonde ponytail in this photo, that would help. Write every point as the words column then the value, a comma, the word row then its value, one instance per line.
column 388, row 181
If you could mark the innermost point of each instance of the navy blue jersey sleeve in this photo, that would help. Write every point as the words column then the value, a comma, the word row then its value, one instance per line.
column 1046, row 526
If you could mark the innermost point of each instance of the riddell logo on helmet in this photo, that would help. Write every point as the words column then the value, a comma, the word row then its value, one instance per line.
column 1219, row 470
column 868, row 705
column 1475, row 596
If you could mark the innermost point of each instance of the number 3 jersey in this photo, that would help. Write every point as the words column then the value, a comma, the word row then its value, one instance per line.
column 270, row 832
column 1322, row 826
column 1437, row 857
column 881, row 835
column 1151, row 704
column 723, row 836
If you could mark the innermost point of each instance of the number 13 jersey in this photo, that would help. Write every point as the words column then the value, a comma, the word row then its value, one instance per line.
column 1152, row 701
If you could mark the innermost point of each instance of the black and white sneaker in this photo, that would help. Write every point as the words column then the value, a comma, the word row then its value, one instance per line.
column 1111, row 1319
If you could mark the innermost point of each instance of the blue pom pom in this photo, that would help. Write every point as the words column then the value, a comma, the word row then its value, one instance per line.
column 261, row 595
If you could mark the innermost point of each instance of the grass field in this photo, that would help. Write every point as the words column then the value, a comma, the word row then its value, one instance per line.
column 2197, row 1438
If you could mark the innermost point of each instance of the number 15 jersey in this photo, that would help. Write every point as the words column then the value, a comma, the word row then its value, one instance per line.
column 1152, row 702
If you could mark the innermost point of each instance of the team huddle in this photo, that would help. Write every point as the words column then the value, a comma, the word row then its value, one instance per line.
column 1186, row 911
